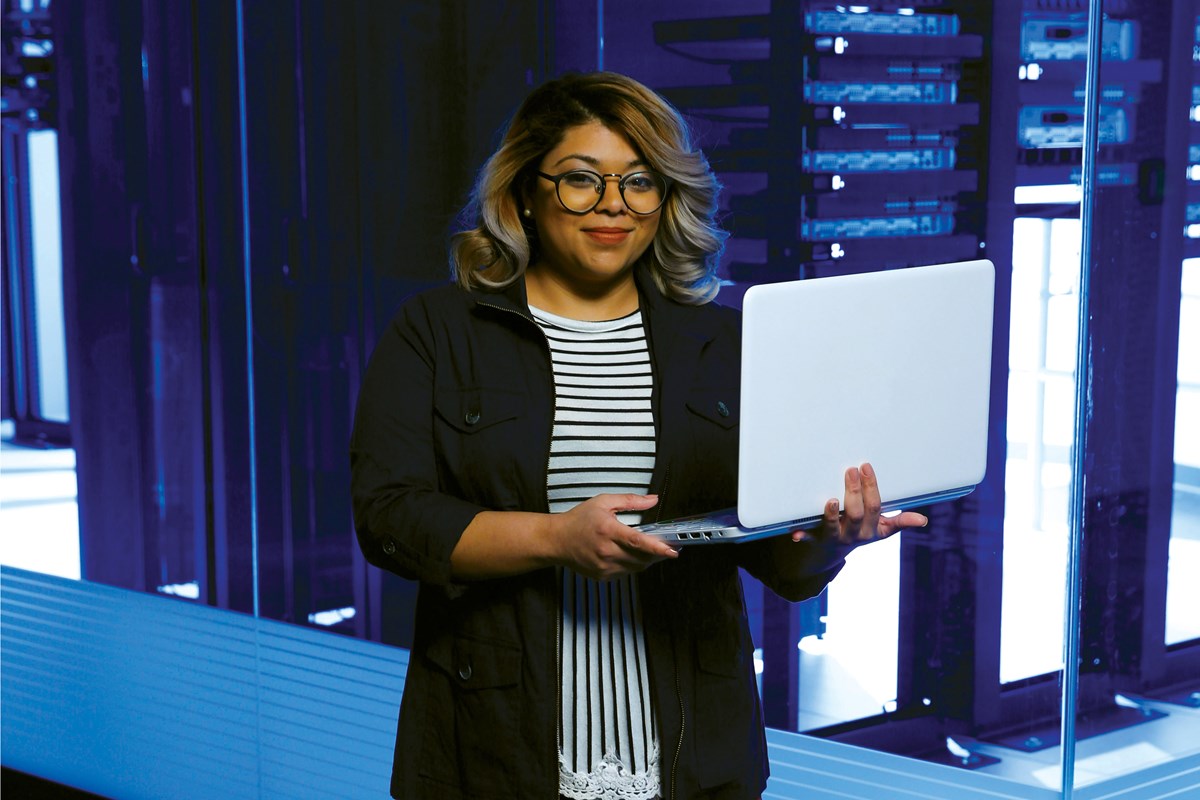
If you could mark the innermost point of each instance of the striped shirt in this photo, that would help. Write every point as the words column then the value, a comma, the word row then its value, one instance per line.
column 603, row 442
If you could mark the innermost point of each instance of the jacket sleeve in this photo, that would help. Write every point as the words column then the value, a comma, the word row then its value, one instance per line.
column 793, row 570
column 403, row 522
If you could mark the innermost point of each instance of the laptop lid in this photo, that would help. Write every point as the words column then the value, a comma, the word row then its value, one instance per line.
column 889, row 367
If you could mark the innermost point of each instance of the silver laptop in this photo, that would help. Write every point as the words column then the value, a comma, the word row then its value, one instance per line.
column 889, row 367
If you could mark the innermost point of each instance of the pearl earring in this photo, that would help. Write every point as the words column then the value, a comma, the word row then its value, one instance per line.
column 528, row 213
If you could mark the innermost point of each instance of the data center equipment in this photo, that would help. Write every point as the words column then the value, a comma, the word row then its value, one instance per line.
column 1050, row 123
column 867, row 123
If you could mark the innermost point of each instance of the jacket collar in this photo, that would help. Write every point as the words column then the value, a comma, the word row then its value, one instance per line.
column 667, row 315
column 509, row 298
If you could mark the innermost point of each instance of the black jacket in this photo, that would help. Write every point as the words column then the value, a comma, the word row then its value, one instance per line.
column 455, row 417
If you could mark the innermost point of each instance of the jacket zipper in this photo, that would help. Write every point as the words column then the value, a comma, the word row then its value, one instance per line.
column 662, row 496
column 678, row 697
column 682, row 728
column 675, row 662
column 545, row 474
column 658, row 517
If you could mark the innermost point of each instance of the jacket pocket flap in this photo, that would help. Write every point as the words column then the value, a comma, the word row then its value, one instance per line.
column 718, row 653
column 716, row 406
column 475, row 664
column 472, row 410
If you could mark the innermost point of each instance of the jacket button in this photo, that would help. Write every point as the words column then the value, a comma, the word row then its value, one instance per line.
column 464, row 671
column 389, row 547
column 471, row 417
column 722, row 409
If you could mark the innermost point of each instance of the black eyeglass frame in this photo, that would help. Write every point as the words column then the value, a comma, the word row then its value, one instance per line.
column 603, row 176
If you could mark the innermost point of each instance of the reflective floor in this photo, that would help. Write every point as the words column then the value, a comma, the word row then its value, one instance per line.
column 1101, row 757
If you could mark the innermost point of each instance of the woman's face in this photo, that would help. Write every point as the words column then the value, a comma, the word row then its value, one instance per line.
column 591, row 252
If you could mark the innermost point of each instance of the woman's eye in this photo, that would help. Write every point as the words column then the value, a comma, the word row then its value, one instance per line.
column 579, row 180
column 640, row 183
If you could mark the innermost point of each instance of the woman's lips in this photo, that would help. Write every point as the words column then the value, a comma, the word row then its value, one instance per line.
column 607, row 235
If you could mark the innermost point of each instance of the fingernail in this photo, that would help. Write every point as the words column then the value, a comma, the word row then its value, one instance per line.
column 868, row 470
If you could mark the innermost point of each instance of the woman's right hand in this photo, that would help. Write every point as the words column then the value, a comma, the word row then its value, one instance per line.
column 590, row 540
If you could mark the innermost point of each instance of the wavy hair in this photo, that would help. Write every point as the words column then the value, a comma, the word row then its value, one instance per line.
column 499, row 244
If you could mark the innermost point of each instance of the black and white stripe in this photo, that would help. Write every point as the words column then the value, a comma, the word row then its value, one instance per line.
column 603, row 442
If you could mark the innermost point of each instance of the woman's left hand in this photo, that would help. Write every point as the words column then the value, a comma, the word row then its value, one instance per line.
column 861, row 522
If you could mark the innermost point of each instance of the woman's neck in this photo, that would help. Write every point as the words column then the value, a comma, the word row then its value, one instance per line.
column 546, row 290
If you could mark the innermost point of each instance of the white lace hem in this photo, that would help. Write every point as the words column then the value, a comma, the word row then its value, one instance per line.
column 610, row 780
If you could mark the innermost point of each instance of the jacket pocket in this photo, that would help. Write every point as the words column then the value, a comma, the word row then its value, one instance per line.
column 470, row 411
column 475, row 664
column 726, row 703
column 712, row 426
column 481, row 436
column 720, row 653
column 473, row 716
column 716, row 406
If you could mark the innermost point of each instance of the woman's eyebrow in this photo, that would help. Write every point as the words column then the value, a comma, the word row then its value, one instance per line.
column 595, row 162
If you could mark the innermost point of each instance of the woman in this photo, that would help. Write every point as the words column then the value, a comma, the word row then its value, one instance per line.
column 511, row 427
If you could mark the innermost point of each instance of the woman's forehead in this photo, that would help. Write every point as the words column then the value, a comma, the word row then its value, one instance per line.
column 595, row 144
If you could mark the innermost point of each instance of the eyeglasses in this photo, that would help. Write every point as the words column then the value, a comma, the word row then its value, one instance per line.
column 581, row 190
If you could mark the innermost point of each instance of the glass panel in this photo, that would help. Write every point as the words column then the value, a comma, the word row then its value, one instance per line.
column 359, row 160
column 1041, row 399
column 1137, row 697
column 47, row 275
column 1183, row 592
column 1183, row 623
column 39, row 518
column 301, row 184
column 39, row 515
column 849, row 671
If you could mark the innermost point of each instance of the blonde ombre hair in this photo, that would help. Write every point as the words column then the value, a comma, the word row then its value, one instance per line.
column 683, row 259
